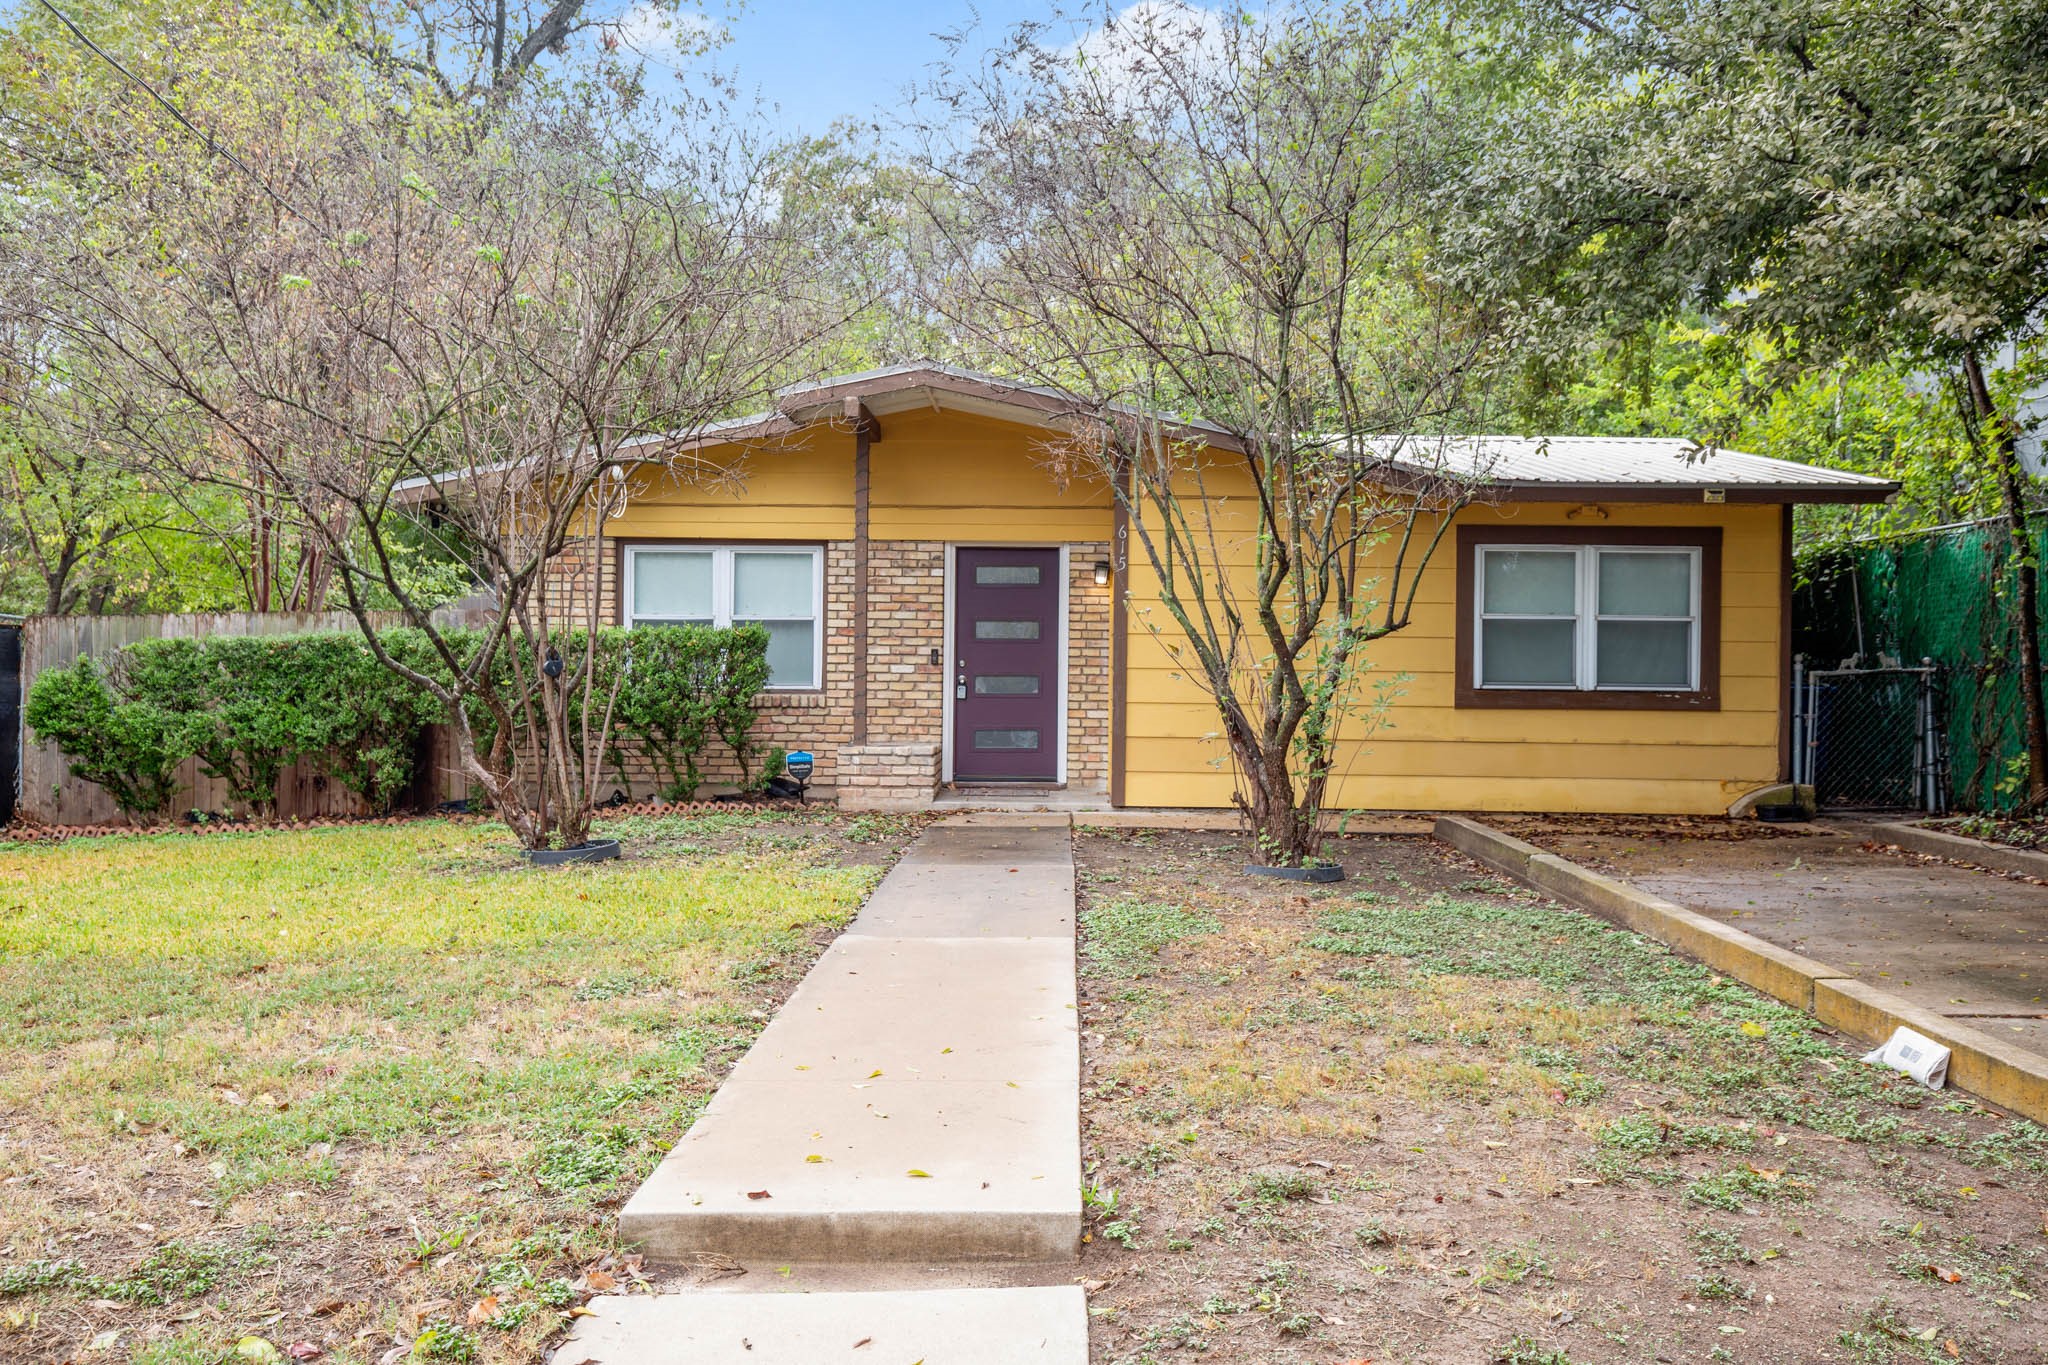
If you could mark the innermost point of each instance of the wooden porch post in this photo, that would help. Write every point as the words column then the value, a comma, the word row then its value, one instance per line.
column 865, row 431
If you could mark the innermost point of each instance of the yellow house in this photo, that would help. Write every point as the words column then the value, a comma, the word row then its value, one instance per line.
column 1604, row 628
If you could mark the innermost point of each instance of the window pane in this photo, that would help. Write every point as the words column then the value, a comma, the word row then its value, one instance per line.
column 1006, row 630
column 672, row 585
column 1006, row 685
column 791, row 653
column 1646, row 654
column 1530, row 582
column 1527, row 653
column 1634, row 584
column 771, row 584
column 1006, row 575
column 1006, row 739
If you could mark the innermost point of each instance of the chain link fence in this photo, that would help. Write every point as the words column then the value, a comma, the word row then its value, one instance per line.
column 1871, row 737
column 1941, row 599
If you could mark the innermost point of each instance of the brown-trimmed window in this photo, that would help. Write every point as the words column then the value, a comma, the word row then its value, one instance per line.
column 1561, row 617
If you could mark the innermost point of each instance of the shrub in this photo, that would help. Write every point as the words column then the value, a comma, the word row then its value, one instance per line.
column 249, row 707
column 131, row 748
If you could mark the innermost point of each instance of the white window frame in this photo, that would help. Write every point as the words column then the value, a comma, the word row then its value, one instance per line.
column 721, row 594
column 1585, row 618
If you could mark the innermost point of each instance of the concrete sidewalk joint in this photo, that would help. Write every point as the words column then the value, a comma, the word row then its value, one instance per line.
column 918, row 1096
column 2005, row 1075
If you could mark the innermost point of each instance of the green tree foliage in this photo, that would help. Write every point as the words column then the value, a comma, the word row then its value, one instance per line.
column 1689, row 378
column 1852, row 181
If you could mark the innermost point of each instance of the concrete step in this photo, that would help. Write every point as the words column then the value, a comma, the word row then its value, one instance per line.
column 1031, row 1326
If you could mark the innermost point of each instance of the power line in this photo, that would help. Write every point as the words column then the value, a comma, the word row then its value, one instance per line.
column 213, row 147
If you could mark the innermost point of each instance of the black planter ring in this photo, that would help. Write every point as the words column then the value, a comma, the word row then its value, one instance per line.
column 1326, row 872
column 595, row 851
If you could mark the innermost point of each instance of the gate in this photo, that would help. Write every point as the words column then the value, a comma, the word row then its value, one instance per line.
column 1870, row 737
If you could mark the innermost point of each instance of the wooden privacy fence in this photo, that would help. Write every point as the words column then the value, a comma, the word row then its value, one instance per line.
column 49, row 794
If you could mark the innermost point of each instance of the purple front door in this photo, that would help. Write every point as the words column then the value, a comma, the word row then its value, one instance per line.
column 1006, row 658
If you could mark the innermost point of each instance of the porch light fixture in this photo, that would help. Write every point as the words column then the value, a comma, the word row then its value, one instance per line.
column 1101, row 573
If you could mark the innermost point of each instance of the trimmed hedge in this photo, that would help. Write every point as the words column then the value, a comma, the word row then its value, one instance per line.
column 250, row 707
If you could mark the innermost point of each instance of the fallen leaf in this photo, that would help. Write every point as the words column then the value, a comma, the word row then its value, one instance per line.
column 105, row 1341
column 1770, row 1173
column 1954, row 1350
column 258, row 1350
column 814, row 1158
column 876, row 1072
column 758, row 1194
column 483, row 1310
column 1753, row 1029
column 916, row 1174
column 598, row 1281
column 1928, row 1335
column 327, row 1308
column 1945, row 1276
column 864, row 1341
column 304, row 1350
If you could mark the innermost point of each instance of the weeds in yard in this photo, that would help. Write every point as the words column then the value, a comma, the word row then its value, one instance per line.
column 393, row 1046
column 1125, row 937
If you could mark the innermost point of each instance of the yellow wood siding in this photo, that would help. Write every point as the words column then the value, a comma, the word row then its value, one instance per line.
column 1433, row 755
column 933, row 476
column 949, row 477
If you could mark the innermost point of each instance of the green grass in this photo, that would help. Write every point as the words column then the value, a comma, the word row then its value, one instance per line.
column 400, row 1026
column 1125, row 937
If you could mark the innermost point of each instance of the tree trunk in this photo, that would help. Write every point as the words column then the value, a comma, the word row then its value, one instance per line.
column 2026, row 605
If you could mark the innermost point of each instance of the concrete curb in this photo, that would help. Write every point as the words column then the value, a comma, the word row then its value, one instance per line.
column 1963, row 849
column 2009, row 1077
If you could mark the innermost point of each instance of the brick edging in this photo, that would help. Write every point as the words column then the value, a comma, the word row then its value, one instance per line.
column 1963, row 849
column 2009, row 1077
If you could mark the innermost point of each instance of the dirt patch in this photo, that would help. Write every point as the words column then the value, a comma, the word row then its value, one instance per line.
column 1426, row 1115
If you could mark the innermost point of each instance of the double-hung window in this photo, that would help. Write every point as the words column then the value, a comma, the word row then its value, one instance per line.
column 780, row 587
column 1547, row 615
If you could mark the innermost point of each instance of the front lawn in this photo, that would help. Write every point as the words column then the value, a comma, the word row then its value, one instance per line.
column 365, row 1089
column 1425, row 1115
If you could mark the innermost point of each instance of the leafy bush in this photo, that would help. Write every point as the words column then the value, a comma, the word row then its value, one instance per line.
column 249, row 707
column 131, row 748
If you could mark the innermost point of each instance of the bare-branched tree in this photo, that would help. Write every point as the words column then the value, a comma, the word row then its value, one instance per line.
column 479, row 339
column 1202, row 233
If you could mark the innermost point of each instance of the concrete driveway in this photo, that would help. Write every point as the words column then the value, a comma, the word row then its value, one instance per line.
column 1965, row 943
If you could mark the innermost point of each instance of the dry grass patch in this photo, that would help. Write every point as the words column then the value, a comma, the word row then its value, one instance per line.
column 375, row 1088
column 1424, row 1115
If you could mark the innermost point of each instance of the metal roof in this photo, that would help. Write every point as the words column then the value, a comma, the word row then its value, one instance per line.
column 1660, row 468
column 1633, row 461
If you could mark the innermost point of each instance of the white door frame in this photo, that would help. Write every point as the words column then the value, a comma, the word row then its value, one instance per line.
column 950, row 659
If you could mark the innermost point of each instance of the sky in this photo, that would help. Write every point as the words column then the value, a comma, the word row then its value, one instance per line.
column 815, row 61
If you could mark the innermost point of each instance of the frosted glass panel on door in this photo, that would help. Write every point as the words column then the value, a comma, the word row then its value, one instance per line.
column 672, row 585
column 1527, row 654
column 1645, row 654
column 1636, row 584
column 1530, row 582
column 767, row 584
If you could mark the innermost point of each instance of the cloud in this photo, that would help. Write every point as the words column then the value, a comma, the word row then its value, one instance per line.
column 1119, row 49
column 662, row 33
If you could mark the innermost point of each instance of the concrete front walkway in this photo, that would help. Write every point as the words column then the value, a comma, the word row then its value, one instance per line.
column 917, row 1100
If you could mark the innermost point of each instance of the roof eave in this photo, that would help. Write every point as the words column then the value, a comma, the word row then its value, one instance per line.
column 1540, row 491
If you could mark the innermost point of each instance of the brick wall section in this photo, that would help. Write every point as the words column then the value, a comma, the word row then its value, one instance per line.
column 906, row 627
column 888, row 776
column 906, row 690
column 1088, row 609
